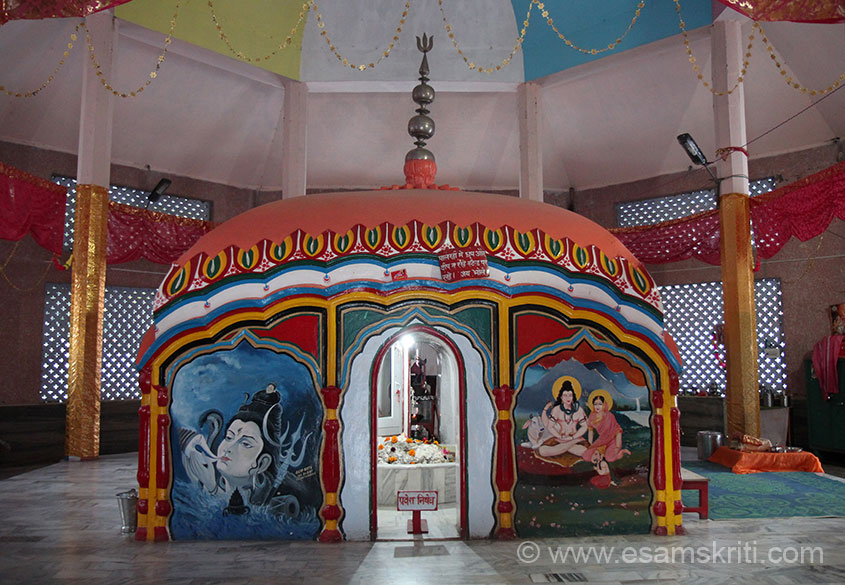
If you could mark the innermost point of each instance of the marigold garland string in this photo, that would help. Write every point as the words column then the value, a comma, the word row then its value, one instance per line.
column 506, row 61
column 311, row 4
column 745, row 62
column 550, row 21
column 101, row 76
column 788, row 78
column 243, row 56
column 346, row 62
column 34, row 92
column 756, row 25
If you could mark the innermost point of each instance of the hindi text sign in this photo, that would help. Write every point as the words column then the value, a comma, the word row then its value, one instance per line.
column 416, row 501
column 462, row 263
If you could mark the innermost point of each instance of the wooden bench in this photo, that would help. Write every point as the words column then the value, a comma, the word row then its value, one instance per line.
column 693, row 481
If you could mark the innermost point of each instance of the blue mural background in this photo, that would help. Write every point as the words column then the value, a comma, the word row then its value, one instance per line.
column 222, row 381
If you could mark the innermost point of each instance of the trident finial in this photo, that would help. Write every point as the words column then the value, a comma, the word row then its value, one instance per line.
column 424, row 45
column 421, row 126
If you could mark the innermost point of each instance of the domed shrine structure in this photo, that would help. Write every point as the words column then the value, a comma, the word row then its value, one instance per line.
column 313, row 357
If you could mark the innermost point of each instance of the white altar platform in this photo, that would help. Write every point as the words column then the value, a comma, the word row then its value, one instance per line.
column 439, row 477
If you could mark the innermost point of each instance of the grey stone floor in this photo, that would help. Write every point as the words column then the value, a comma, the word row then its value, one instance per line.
column 60, row 524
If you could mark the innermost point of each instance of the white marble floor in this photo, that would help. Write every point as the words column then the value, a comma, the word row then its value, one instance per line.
column 60, row 524
column 442, row 523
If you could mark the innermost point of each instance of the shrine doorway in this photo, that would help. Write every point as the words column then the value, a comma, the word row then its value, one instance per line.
column 419, row 384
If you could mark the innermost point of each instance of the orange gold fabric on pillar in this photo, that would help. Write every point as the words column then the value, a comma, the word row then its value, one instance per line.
column 82, row 435
column 743, row 402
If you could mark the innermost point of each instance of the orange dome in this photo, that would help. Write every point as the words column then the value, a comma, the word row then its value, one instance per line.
column 339, row 212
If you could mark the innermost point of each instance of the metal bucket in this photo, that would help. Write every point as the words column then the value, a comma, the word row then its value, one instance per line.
column 708, row 442
column 128, row 504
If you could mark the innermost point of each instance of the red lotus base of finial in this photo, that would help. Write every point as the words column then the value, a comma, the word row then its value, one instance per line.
column 420, row 174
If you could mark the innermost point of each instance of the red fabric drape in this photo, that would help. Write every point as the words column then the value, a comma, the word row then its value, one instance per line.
column 30, row 205
column 802, row 209
column 37, row 9
column 793, row 10
column 696, row 236
column 135, row 233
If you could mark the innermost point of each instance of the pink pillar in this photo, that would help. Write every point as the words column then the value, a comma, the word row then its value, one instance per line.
column 295, row 128
column 95, row 118
column 530, row 153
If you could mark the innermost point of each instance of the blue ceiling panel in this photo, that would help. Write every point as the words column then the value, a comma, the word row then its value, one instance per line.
column 594, row 24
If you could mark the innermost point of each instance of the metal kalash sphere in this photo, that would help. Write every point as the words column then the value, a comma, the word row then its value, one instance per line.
column 423, row 94
column 421, row 126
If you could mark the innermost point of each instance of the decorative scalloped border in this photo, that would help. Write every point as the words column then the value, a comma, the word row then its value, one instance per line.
column 389, row 241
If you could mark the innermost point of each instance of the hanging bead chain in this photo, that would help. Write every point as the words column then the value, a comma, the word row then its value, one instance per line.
column 26, row 94
column 153, row 73
column 756, row 25
column 243, row 56
column 570, row 44
column 697, row 69
column 506, row 61
column 788, row 78
column 346, row 62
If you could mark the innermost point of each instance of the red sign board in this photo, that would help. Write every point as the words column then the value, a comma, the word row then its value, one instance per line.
column 399, row 275
column 416, row 501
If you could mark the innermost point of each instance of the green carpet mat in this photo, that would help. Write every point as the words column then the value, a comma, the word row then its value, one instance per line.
column 766, row 495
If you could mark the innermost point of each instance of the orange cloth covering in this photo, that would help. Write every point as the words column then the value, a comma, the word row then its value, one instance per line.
column 750, row 462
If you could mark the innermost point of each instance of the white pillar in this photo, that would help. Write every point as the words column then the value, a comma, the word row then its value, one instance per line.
column 729, row 110
column 530, row 153
column 295, row 147
column 95, row 118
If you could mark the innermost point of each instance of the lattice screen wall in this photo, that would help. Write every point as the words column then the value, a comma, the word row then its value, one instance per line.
column 127, row 316
column 660, row 209
column 170, row 204
column 692, row 314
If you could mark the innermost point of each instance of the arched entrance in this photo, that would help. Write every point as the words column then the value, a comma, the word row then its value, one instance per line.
column 418, row 433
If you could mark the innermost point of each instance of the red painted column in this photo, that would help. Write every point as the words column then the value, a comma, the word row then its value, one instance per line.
column 675, row 496
column 143, row 474
column 504, row 462
column 658, row 474
column 330, row 466
column 162, row 507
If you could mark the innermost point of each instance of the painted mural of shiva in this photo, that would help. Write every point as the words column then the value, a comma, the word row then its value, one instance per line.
column 249, row 461
column 564, row 420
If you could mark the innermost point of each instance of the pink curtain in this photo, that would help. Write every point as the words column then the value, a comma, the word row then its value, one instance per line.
column 135, row 233
column 821, row 11
column 30, row 205
column 802, row 209
column 37, row 9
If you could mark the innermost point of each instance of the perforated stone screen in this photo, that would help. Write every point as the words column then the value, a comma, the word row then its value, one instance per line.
column 170, row 204
column 127, row 316
column 693, row 315
column 660, row 209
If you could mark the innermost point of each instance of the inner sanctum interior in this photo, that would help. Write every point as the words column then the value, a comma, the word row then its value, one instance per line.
column 418, row 433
